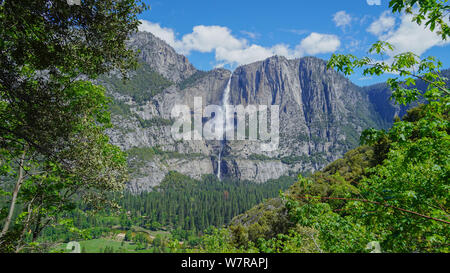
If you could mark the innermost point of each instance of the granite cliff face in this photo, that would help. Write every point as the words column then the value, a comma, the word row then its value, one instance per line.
column 321, row 115
column 161, row 57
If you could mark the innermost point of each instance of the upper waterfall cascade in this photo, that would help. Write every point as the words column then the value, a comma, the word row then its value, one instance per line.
column 223, row 123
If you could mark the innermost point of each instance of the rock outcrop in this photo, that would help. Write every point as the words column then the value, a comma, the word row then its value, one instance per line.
column 321, row 116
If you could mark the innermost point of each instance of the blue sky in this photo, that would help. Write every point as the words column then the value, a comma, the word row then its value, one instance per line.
column 213, row 33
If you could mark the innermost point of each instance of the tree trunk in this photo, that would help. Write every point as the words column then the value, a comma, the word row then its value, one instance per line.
column 14, row 197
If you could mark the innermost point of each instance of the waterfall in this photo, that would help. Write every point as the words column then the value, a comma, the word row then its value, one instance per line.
column 219, row 162
column 223, row 123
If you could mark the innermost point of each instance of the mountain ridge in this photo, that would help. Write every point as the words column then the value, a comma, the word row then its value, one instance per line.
column 322, row 114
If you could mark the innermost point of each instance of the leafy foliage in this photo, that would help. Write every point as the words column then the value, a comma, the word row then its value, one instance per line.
column 430, row 12
column 52, row 143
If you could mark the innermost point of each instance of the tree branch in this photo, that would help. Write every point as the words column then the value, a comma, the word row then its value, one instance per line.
column 376, row 203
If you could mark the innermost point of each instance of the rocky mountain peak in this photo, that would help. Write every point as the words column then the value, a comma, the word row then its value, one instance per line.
column 161, row 57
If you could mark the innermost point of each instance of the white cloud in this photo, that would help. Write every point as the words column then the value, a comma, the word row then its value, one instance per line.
column 314, row 44
column 251, row 35
column 374, row 2
column 165, row 34
column 235, row 51
column 409, row 36
column 246, row 55
column 207, row 38
column 382, row 25
column 342, row 19
column 353, row 45
column 295, row 31
column 317, row 43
